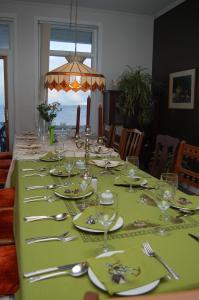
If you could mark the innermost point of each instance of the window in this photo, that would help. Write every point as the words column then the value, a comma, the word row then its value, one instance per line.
column 4, row 50
column 62, row 43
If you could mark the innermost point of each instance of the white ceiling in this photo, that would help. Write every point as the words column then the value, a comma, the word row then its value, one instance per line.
column 149, row 7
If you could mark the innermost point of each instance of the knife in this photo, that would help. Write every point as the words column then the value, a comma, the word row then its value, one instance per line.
column 194, row 237
column 135, row 186
column 47, row 270
column 185, row 210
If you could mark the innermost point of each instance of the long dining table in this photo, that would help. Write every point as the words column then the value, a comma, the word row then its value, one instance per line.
column 141, row 221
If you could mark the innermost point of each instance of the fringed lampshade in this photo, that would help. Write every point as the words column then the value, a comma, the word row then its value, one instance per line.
column 74, row 76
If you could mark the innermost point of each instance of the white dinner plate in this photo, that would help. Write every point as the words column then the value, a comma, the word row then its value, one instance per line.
column 117, row 225
column 133, row 292
column 73, row 197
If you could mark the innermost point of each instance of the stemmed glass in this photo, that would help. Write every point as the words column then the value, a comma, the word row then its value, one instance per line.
column 165, row 193
column 170, row 178
column 69, row 165
column 106, row 215
column 59, row 150
column 84, row 184
column 134, row 160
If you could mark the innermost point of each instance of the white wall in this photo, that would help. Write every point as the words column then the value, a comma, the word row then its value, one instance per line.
column 124, row 39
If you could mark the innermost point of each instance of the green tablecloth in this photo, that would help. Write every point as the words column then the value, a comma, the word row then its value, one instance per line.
column 140, row 223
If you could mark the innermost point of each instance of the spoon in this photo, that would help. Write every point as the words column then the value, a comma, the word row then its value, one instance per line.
column 58, row 217
column 35, row 174
column 76, row 271
column 50, row 186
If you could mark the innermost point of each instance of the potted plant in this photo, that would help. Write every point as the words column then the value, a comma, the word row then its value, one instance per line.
column 136, row 100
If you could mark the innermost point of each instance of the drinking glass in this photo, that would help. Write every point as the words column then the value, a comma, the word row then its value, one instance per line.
column 106, row 215
column 59, row 150
column 133, row 160
column 165, row 193
column 69, row 165
column 170, row 178
column 85, row 181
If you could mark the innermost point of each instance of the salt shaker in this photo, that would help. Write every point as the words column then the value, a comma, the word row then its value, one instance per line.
column 94, row 183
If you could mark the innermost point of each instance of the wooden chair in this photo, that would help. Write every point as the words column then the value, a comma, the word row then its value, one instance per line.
column 5, row 163
column 7, row 197
column 5, row 155
column 108, row 134
column 164, row 155
column 116, row 136
column 187, row 167
column 9, row 279
column 6, row 226
column 3, row 176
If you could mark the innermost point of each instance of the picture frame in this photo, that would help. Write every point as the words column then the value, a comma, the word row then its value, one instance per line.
column 182, row 89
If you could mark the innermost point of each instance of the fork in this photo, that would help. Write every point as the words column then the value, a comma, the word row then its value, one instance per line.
column 63, row 238
column 35, row 174
column 150, row 252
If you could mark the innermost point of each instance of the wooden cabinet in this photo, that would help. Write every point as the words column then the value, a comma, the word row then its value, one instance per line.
column 111, row 108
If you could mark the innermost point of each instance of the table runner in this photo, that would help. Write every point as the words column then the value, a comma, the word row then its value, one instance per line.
column 178, row 249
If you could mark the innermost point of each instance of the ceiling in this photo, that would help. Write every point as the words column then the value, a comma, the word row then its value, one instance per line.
column 148, row 7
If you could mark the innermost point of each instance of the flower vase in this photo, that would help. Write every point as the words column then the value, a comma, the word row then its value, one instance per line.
column 42, row 127
column 51, row 129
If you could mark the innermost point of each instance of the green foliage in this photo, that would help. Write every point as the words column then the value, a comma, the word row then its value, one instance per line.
column 136, row 100
column 48, row 111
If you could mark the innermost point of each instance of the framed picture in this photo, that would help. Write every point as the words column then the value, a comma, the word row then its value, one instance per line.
column 182, row 89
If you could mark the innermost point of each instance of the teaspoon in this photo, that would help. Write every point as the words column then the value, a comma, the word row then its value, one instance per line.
column 58, row 217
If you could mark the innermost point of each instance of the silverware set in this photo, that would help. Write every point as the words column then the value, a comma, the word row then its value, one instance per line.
column 150, row 252
column 65, row 237
column 45, row 187
column 49, row 199
column 74, row 270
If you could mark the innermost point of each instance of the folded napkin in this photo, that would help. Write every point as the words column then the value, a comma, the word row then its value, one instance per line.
column 102, row 162
column 186, row 201
column 127, row 180
column 61, row 171
column 26, row 137
column 100, row 149
column 73, row 191
column 50, row 156
column 90, row 213
column 125, row 271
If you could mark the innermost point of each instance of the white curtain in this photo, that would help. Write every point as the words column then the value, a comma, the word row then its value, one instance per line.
column 44, row 59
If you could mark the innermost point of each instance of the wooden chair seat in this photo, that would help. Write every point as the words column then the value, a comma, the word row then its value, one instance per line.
column 187, row 167
column 9, row 279
column 6, row 226
column 164, row 155
column 7, row 197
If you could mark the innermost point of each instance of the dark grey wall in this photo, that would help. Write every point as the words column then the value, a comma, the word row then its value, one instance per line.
column 176, row 48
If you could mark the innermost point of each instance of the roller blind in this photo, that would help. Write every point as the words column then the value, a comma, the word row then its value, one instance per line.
column 68, row 35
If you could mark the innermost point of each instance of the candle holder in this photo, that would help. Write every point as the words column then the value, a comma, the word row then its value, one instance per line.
column 87, row 144
column 100, row 140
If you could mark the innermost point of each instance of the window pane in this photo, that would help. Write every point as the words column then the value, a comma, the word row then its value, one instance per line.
column 4, row 36
column 63, row 46
column 56, row 61
column 2, row 93
column 69, row 101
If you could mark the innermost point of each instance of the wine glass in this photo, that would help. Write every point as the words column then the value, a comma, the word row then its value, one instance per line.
column 165, row 193
column 132, row 160
column 84, row 184
column 106, row 215
column 59, row 150
column 170, row 178
column 69, row 165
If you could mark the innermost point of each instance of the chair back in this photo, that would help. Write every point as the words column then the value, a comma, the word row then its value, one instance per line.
column 187, row 165
column 130, row 142
column 164, row 154
column 108, row 134
column 116, row 136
